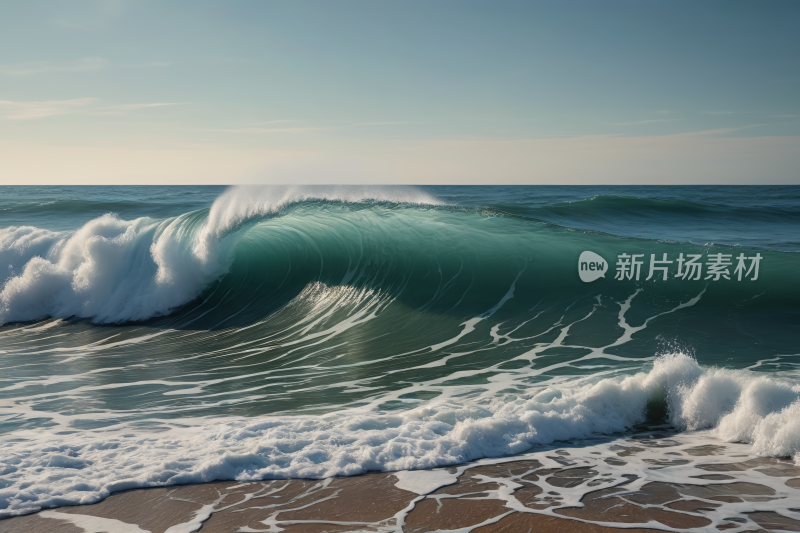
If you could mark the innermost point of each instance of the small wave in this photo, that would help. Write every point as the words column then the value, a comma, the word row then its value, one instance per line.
column 625, row 206
column 738, row 405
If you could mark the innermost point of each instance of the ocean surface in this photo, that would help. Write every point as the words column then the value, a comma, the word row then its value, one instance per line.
column 163, row 335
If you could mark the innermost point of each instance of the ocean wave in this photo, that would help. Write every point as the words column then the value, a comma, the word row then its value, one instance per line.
column 736, row 405
column 261, row 247
column 113, row 270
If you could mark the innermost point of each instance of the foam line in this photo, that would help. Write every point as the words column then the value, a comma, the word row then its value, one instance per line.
column 423, row 481
column 94, row 524
column 749, row 407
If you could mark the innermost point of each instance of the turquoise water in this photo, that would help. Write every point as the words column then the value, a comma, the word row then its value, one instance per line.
column 157, row 335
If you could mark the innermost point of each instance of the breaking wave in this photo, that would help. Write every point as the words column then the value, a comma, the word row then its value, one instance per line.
column 76, row 469
column 113, row 270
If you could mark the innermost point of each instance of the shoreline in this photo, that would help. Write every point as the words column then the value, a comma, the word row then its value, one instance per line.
column 667, row 483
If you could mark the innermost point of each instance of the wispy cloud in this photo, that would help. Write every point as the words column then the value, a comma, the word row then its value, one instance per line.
column 87, row 64
column 719, row 112
column 256, row 127
column 381, row 123
column 267, row 123
column 644, row 122
column 124, row 108
column 159, row 64
column 49, row 108
column 719, row 131
column 663, row 112
column 784, row 116
column 254, row 131
column 127, row 107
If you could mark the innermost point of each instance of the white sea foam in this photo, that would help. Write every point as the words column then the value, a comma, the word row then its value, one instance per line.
column 110, row 270
column 113, row 270
column 424, row 481
column 20, row 244
column 94, row 524
column 54, row 469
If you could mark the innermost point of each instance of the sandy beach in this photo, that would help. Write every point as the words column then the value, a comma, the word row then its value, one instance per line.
column 599, row 488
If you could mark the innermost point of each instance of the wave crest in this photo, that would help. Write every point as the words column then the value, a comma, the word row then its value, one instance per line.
column 113, row 270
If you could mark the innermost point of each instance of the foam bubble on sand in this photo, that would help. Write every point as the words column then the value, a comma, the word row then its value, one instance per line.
column 424, row 481
column 85, row 467
column 94, row 524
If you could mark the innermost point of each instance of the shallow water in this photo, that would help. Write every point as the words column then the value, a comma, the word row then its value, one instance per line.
column 163, row 335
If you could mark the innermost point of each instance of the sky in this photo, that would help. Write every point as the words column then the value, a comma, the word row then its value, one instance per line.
column 411, row 92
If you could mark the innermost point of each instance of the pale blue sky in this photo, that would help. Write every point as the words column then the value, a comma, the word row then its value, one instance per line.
column 403, row 92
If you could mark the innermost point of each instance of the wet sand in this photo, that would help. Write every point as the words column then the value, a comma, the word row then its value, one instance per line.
column 642, row 484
